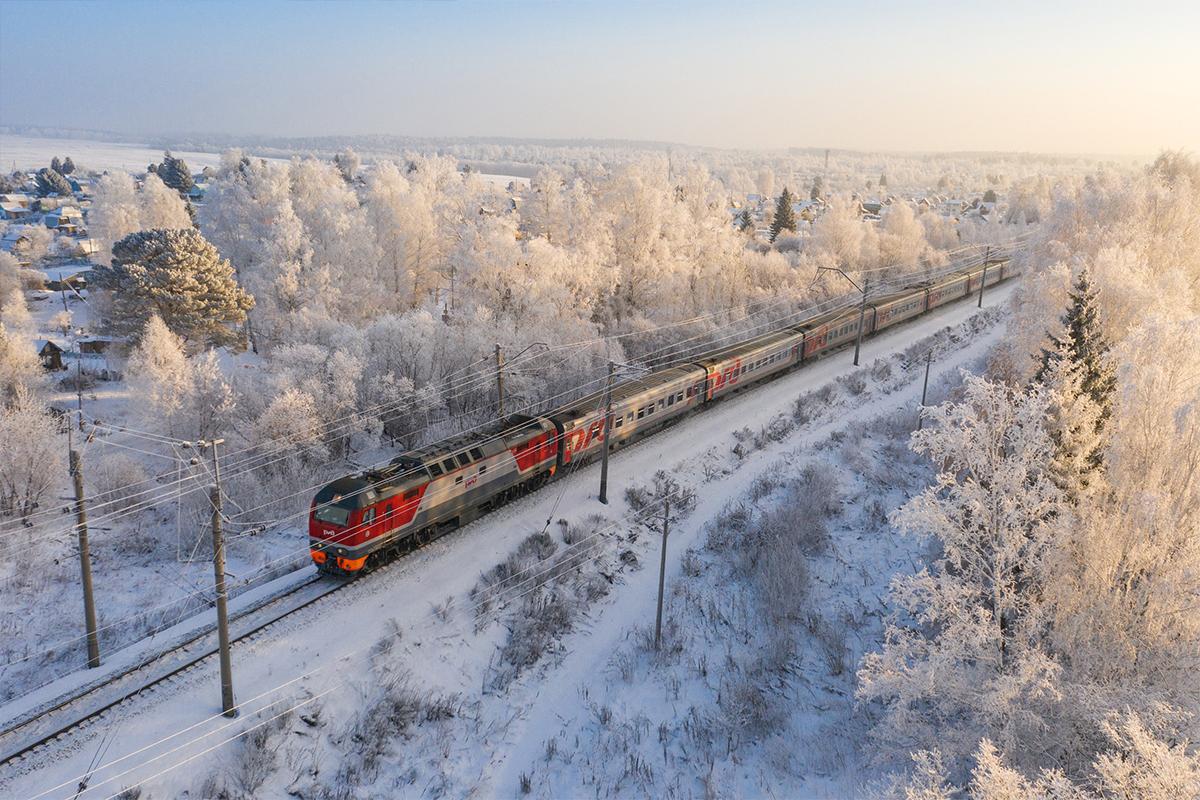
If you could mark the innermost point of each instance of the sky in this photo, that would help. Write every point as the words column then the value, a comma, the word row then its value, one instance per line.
column 1063, row 76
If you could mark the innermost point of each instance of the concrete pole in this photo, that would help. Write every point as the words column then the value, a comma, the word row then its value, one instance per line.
column 499, row 380
column 608, row 420
column 924, row 390
column 227, row 705
column 85, row 562
column 983, row 278
column 662, row 574
column 862, row 315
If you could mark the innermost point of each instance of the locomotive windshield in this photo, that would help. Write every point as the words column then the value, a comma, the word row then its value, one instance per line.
column 333, row 514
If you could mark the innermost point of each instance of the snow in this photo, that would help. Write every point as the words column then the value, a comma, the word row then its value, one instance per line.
column 326, row 651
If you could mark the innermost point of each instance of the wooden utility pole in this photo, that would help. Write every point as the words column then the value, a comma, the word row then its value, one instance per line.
column 499, row 380
column 862, row 315
column 608, row 420
column 987, row 254
column 662, row 574
column 227, row 705
column 924, row 390
column 85, row 561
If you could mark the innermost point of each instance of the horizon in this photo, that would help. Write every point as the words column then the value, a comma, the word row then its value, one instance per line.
column 621, row 73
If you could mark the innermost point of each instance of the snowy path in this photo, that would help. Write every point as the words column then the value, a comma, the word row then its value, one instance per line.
column 329, row 644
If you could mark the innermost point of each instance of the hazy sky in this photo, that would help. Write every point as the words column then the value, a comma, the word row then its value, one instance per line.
column 1091, row 77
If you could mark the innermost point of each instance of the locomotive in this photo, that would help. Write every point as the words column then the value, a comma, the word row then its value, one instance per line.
column 361, row 520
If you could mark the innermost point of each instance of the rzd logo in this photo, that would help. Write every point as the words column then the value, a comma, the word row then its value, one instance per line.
column 584, row 436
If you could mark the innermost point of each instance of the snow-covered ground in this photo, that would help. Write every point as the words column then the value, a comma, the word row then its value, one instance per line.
column 474, row 693
column 30, row 153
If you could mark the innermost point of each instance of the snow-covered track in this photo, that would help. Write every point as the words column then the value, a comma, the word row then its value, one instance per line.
column 51, row 722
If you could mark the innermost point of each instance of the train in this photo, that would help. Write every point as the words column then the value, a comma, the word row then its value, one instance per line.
column 359, row 521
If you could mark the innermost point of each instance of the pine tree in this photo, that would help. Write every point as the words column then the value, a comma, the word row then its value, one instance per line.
column 56, row 165
column 785, row 217
column 178, row 275
column 68, row 166
column 818, row 188
column 50, row 182
column 745, row 221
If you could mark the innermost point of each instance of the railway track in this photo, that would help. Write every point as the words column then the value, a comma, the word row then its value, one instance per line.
column 49, row 723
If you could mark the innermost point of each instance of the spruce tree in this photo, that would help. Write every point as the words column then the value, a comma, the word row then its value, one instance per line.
column 56, row 165
column 785, row 217
column 745, row 221
column 68, row 166
column 818, row 188
column 1084, row 344
column 1076, row 368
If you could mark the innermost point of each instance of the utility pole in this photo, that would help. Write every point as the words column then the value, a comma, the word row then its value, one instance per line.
column 987, row 254
column 227, row 705
column 662, row 573
column 499, row 380
column 924, row 390
column 862, row 315
column 79, row 374
column 608, row 420
column 85, row 561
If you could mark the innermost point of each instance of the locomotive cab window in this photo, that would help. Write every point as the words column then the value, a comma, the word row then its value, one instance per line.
column 435, row 469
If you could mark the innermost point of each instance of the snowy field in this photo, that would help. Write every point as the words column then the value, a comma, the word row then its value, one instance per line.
column 495, row 698
column 31, row 153
column 26, row 153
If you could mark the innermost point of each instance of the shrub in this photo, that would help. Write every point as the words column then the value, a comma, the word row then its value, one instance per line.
column 117, row 479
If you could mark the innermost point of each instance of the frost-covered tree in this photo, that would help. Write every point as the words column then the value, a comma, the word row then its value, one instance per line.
column 818, row 188
column 56, row 165
column 967, row 661
column 159, row 376
column 160, row 206
column 68, row 166
column 178, row 276
column 115, row 212
column 20, row 370
column 291, row 426
column 31, row 457
column 784, row 218
column 50, row 182
column 10, row 274
column 745, row 222
column 348, row 164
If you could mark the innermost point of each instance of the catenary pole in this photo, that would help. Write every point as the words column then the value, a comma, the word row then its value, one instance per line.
column 85, row 561
column 924, row 390
column 227, row 705
column 499, row 380
column 662, row 574
column 987, row 254
column 608, row 420
column 862, row 316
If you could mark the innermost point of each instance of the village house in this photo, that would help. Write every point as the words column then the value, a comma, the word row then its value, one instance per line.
column 49, row 353
column 66, row 277
column 66, row 219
